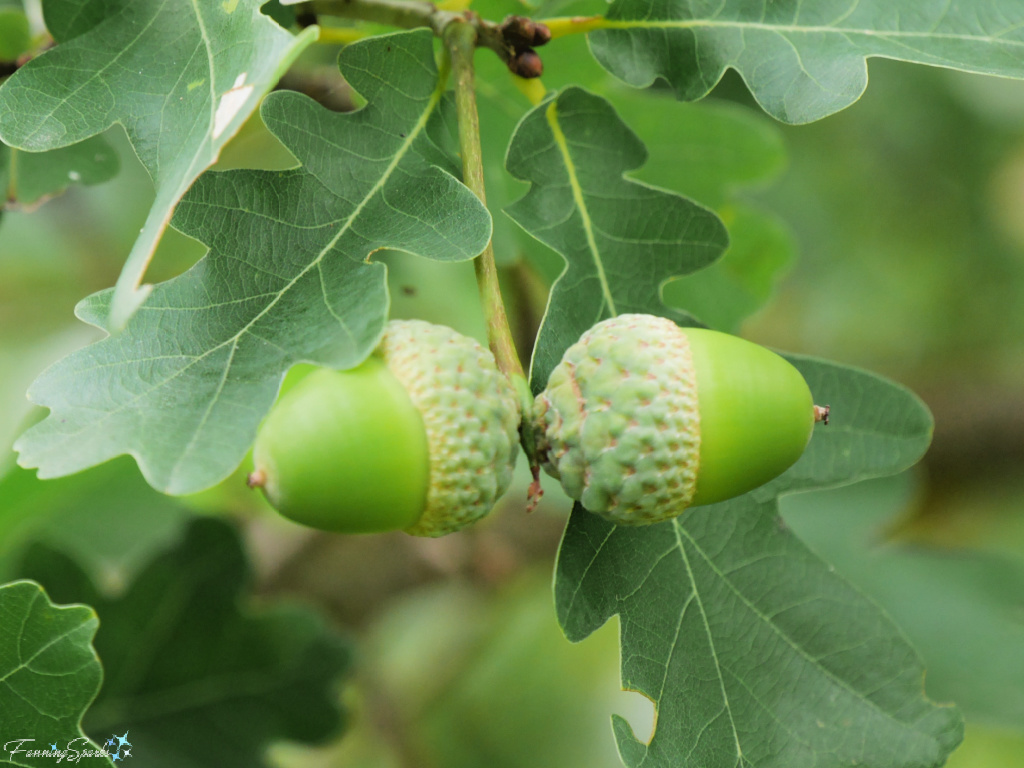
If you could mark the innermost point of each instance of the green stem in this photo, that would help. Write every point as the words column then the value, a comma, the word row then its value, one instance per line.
column 460, row 41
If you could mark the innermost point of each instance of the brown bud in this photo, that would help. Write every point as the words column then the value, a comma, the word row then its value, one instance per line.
column 517, row 31
column 527, row 64
column 522, row 33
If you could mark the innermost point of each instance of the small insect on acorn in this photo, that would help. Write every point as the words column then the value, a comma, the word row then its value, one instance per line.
column 643, row 419
column 421, row 437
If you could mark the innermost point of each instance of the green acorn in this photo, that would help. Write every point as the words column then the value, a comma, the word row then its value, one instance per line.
column 642, row 419
column 422, row 437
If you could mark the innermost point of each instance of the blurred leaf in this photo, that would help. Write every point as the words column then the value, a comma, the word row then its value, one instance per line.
column 108, row 518
column 894, row 205
column 802, row 61
column 28, row 177
column 14, row 32
column 988, row 748
column 194, row 680
column 706, row 151
column 735, row 630
column 522, row 695
column 621, row 239
column 286, row 279
column 731, row 289
column 963, row 611
column 215, row 63
column 473, row 677
column 49, row 671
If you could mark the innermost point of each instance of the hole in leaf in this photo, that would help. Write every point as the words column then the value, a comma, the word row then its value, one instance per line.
column 639, row 712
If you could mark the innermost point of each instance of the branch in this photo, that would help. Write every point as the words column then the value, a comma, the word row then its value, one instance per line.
column 513, row 40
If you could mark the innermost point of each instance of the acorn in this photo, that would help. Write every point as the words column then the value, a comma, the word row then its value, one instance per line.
column 643, row 419
column 421, row 437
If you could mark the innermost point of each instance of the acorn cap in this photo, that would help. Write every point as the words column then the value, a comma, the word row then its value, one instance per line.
column 642, row 419
column 471, row 416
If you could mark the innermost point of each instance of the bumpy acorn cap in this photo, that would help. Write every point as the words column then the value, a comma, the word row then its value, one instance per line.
column 471, row 415
column 642, row 419
column 620, row 420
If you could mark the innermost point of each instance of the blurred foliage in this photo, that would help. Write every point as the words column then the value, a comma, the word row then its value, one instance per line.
column 195, row 677
column 906, row 213
column 466, row 678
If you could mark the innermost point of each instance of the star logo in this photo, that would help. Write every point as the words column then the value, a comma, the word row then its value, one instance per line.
column 116, row 747
column 53, row 747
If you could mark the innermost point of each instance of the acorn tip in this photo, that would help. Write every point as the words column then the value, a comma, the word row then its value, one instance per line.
column 821, row 413
column 256, row 479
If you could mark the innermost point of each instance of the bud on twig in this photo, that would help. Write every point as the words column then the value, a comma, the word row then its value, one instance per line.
column 527, row 64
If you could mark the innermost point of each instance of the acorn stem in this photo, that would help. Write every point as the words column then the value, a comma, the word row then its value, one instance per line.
column 256, row 479
column 460, row 39
column 821, row 413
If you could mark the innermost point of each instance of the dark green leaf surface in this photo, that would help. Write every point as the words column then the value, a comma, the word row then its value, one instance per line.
column 622, row 240
column 29, row 177
column 962, row 609
column 802, row 60
column 753, row 650
column 180, row 77
column 194, row 681
column 184, row 387
column 49, row 674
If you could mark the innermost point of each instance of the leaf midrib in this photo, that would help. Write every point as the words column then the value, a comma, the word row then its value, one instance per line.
column 581, row 204
column 795, row 29
column 839, row 682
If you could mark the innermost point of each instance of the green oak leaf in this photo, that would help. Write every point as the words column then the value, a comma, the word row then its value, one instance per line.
column 181, row 78
column 286, row 280
column 31, row 177
column 621, row 239
column 49, row 673
column 802, row 60
column 753, row 650
column 960, row 608
column 193, row 679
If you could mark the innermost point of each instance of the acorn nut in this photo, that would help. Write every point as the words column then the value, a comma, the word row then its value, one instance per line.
column 642, row 419
column 422, row 436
